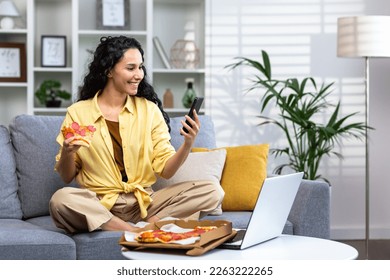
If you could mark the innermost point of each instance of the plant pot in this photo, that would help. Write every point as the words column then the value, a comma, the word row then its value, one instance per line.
column 53, row 103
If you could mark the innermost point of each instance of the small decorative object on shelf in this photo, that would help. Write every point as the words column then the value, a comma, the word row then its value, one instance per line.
column 189, row 94
column 168, row 99
column 8, row 10
column 161, row 52
column 185, row 54
column 50, row 94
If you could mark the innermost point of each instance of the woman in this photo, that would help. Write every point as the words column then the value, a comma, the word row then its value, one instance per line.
column 130, row 145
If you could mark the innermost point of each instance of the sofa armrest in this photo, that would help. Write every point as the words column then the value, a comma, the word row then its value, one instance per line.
column 311, row 210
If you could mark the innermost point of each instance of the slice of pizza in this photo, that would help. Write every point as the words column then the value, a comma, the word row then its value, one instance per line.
column 158, row 235
column 83, row 134
column 198, row 230
column 154, row 236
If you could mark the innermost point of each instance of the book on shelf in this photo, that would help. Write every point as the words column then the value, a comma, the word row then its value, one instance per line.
column 161, row 52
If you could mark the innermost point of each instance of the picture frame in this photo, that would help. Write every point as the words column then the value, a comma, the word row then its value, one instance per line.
column 13, row 62
column 53, row 51
column 113, row 14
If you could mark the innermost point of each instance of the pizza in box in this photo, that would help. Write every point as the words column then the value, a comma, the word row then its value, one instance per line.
column 195, row 237
column 172, row 235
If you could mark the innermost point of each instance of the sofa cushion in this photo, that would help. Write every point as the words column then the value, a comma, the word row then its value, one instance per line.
column 9, row 201
column 92, row 246
column 46, row 222
column 198, row 167
column 98, row 245
column 20, row 240
column 243, row 175
column 35, row 147
column 239, row 219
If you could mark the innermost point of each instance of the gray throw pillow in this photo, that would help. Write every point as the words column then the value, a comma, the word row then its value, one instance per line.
column 34, row 140
column 9, row 201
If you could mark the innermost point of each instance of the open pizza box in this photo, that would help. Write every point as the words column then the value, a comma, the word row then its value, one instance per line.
column 208, row 240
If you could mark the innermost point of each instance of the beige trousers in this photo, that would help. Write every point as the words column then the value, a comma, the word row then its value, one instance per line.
column 79, row 210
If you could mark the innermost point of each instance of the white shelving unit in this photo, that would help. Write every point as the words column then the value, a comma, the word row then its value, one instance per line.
column 77, row 20
column 175, row 20
column 45, row 18
column 13, row 94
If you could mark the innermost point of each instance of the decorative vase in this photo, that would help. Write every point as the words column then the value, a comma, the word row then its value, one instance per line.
column 189, row 94
column 168, row 99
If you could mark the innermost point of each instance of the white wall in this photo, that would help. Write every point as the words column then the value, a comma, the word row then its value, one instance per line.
column 300, row 37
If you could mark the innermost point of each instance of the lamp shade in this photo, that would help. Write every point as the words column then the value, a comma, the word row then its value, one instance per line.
column 7, row 8
column 363, row 36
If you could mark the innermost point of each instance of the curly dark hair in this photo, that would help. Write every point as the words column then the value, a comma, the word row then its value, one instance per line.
column 109, row 51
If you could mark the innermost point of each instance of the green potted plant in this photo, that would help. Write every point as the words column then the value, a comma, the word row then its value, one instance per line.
column 299, row 103
column 50, row 93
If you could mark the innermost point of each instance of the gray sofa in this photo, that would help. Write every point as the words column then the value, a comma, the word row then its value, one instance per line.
column 28, row 179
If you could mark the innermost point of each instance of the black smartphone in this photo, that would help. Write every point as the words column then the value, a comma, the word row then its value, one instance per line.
column 196, row 104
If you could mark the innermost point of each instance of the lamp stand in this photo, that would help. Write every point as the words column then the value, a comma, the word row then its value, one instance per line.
column 364, row 36
column 367, row 194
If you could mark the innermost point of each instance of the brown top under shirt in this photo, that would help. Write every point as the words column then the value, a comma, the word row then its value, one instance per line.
column 113, row 128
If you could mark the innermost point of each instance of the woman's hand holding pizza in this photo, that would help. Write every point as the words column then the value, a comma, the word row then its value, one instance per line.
column 78, row 135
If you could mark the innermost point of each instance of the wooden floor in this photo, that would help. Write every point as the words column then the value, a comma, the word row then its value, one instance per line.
column 377, row 249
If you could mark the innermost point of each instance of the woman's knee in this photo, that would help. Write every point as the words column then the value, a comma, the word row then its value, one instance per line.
column 216, row 192
column 60, row 197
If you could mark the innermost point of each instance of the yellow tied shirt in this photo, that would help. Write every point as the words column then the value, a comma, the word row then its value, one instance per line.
column 146, row 148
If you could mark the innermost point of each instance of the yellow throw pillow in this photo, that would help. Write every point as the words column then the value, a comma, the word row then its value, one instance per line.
column 243, row 175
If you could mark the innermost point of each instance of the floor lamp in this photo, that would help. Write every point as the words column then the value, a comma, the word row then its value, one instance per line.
column 364, row 36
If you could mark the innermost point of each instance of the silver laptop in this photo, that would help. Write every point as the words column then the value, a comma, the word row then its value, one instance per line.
column 270, row 213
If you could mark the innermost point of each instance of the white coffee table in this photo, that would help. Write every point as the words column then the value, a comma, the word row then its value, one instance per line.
column 284, row 247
